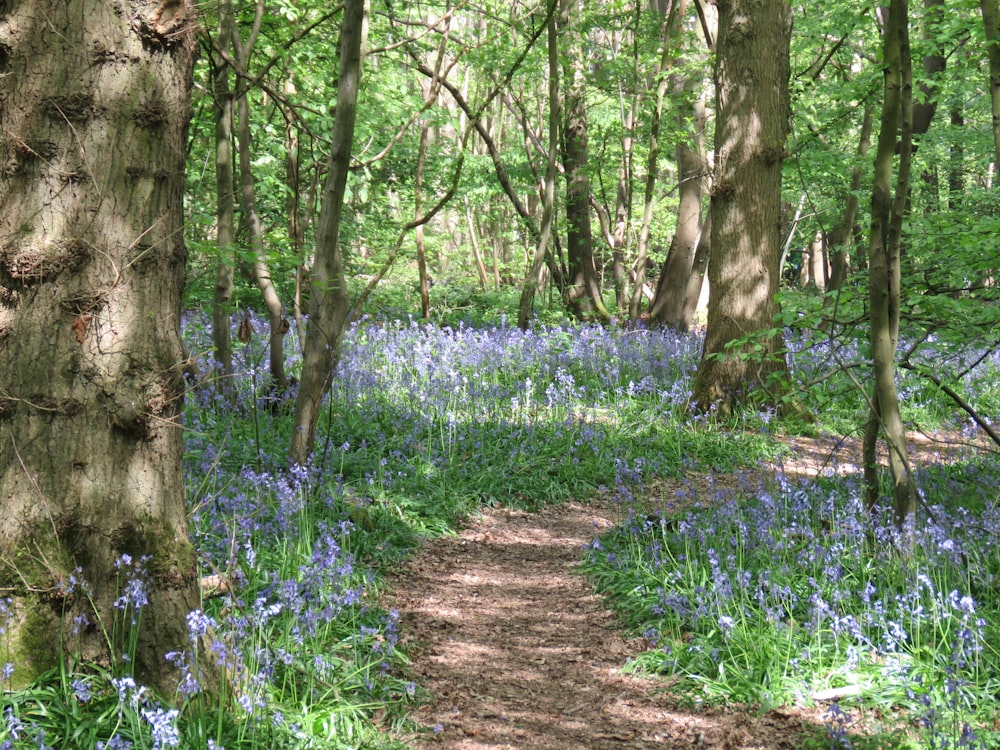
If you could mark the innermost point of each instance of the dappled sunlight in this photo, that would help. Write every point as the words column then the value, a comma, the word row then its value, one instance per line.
column 517, row 651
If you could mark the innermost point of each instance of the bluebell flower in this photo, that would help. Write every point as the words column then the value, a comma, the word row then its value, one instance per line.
column 81, row 690
column 163, row 724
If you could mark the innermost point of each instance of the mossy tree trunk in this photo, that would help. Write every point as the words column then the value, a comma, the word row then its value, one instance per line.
column 752, row 112
column 93, row 120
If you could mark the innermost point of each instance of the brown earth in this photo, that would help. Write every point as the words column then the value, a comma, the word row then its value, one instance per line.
column 517, row 651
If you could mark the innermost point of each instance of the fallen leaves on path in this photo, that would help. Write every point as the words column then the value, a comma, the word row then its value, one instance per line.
column 517, row 651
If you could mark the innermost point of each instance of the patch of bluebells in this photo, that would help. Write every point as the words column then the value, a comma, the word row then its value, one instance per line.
column 417, row 396
column 802, row 568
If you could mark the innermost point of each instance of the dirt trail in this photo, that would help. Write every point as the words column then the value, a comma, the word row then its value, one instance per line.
column 518, row 652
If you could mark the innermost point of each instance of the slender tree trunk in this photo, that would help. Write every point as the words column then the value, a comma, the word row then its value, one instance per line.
column 991, row 23
column 477, row 255
column 533, row 278
column 840, row 238
column 277, row 325
column 329, row 302
column 956, row 159
column 623, row 210
column 884, row 259
column 751, row 71
column 93, row 120
column 225, row 215
column 296, row 222
column 425, row 296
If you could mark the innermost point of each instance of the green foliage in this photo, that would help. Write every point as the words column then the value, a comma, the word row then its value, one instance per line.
column 776, row 592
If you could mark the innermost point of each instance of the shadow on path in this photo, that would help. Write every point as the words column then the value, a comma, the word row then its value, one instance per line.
column 518, row 652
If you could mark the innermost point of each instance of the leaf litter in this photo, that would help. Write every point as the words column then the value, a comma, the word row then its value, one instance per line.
column 516, row 651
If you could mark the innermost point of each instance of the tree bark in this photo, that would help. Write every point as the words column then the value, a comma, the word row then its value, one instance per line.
column 418, row 233
column 277, row 325
column 884, row 264
column 583, row 292
column 533, row 278
column 225, row 214
column 329, row 302
column 93, row 120
column 752, row 111
column 623, row 211
column 669, row 305
column 840, row 238
column 696, row 279
column 991, row 23
column 477, row 256
column 672, row 14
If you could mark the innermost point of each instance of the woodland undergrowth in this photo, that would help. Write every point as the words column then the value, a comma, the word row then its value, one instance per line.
column 760, row 593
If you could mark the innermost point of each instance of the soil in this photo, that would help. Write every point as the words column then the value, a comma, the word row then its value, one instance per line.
column 516, row 650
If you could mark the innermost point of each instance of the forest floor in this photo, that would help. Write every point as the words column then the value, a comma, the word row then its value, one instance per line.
column 517, row 651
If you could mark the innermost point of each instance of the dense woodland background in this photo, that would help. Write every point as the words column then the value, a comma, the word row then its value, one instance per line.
column 447, row 255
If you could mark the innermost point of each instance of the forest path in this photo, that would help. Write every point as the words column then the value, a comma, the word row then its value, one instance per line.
column 517, row 651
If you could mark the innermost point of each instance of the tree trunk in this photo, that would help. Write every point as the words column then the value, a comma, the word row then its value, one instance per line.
column 477, row 256
column 991, row 23
column 277, row 325
column 751, row 72
column 583, row 293
column 329, row 302
column 671, row 288
column 696, row 279
column 884, row 260
column 225, row 217
column 623, row 211
column 533, row 277
column 93, row 120
column 296, row 221
column 840, row 238
column 814, row 271
column 418, row 233
column 674, row 12
column 956, row 159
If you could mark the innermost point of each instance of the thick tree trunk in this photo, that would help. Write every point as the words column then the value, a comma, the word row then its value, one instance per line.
column 752, row 70
column 884, row 258
column 696, row 279
column 671, row 288
column 93, row 119
column 329, row 302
